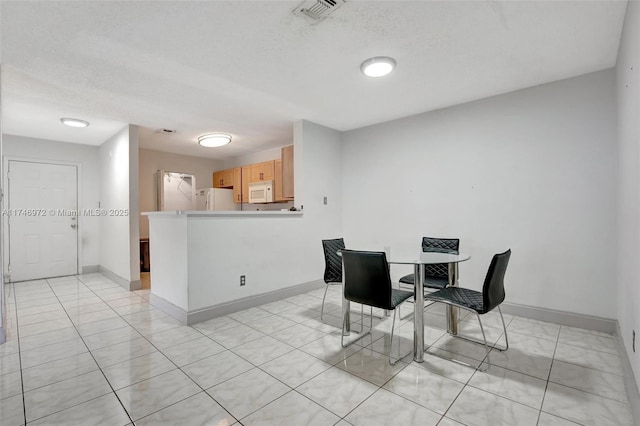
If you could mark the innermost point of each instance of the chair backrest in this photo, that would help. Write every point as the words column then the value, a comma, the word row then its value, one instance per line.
column 439, row 245
column 493, row 288
column 366, row 278
column 332, row 262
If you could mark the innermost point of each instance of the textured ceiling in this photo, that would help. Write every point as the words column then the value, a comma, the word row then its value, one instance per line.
column 252, row 68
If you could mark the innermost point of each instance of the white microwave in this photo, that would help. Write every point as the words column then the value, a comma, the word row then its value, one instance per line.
column 261, row 192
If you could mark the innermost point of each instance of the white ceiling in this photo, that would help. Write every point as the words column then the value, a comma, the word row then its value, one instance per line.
column 252, row 68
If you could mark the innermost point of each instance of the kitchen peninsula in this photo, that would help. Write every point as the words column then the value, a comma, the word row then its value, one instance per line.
column 199, row 257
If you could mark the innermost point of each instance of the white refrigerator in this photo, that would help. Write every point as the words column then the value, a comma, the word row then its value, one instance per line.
column 215, row 199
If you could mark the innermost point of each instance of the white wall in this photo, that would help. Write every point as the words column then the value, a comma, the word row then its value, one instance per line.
column 150, row 161
column 168, row 240
column 255, row 157
column 118, row 169
column 134, row 207
column 2, row 300
column 272, row 252
column 89, row 181
column 533, row 170
column 628, row 91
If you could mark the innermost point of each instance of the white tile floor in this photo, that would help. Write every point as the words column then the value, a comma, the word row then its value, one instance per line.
column 83, row 351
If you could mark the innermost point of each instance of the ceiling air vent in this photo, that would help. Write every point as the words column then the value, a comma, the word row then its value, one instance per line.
column 318, row 9
column 166, row 131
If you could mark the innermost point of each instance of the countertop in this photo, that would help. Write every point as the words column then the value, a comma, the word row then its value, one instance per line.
column 235, row 213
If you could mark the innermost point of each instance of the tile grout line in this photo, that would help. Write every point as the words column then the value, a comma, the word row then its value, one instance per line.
column 197, row 384
column 24, row 403
column 296, row 389
column 89, row 351
column 553, row 357
column 231, row 378
column 514, row 371
column 381, row 386
column 291, row 389
column 230, row 349
column 578, row 389
column 470, row 377
column 162, row 353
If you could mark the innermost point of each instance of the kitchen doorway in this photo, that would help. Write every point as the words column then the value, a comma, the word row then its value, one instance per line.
column 145, row 264
column 42, row 218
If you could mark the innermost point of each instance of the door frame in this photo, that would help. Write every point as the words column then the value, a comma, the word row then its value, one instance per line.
column 5, row 219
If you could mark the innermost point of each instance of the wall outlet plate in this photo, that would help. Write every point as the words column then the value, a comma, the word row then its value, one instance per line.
column 243, row 280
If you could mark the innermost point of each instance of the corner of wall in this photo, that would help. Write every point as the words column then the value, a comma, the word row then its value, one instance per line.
column 115, row 229
column 628, row 221
column 134, row 205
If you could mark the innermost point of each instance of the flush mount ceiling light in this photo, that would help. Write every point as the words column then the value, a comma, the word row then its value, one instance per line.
column 214, row 140
column 74, row 122
column 378, row 66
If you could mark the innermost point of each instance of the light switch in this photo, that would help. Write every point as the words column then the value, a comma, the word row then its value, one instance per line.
column 325, row 201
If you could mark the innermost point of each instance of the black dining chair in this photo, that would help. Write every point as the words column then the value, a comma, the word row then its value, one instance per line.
column 436, row 276
column 332, row 266
column 491, row 297
column 367, row 281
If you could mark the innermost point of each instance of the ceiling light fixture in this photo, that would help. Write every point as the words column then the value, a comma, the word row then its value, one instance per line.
column 378, row 66
column 214, row 140
column 74, row 122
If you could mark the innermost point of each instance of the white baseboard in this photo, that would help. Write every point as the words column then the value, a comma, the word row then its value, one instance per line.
column 123, row 282
column 90, row 269
column 560, row 317
column 169, row 308
column 629, row 378
column 226, row 308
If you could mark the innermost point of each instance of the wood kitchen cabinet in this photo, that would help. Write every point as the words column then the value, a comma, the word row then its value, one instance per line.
column 241, row 184
column 279, row 171
column 223, row 179
column 287, row 172
column 283, row 181
column 277, row 182
column 262, row 171
column 246, row 175
column 237, row 189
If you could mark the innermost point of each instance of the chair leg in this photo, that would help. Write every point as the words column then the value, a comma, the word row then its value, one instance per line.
column 486, row 346
column 344, row 323
column 472, row 340
column 393, row 327
column 504, row 327
column 326, row 287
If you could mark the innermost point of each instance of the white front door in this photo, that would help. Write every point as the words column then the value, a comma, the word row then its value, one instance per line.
column 43, row 239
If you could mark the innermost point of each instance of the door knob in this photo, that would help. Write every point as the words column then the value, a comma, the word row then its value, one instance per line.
column 73, row 225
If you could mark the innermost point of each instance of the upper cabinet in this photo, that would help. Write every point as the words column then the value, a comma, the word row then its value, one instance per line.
column 241, row 184
column 279, row 171
column 277, row 182
column 287, row 172
column 237, row 189
column 283, row 181
column 262, row 171
column 223, row 179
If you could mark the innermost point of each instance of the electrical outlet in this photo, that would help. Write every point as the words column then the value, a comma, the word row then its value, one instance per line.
column 633, row 341
column 325, row 201
column 243, row 280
